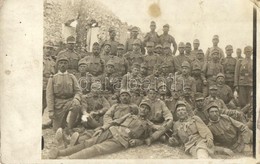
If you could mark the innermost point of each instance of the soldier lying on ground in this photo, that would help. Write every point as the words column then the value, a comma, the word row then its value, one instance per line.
column 127, row 131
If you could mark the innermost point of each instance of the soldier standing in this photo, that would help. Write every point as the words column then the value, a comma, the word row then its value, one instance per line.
column 113, row 43
column 196, row 74
column 228, row 132
column 151, row 58
column 129, row 41
column 188, row 52
column 224, row 91
column 123, row 64
column 199, row 58
column 244, row 77
column 63, row 96
column 209, row 53
column 239, row 56
column 136, row 55
column 192, row 133
column 179, row 59
column 71, row 54
column 167, row 38
column 196, row 45
column 84, row 78
column 152, row 36
column 132, row 81
column 167, row 57
column 229, row 64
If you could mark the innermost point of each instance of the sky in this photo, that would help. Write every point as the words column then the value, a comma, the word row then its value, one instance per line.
column 232, row 20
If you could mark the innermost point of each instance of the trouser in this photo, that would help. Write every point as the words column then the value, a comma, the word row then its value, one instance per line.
column 200, row 151
column 44, row 102
column 61, row 111
column 103, row 144
column 244, row 95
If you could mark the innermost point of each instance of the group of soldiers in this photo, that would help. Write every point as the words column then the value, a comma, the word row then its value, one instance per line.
column 120, row 96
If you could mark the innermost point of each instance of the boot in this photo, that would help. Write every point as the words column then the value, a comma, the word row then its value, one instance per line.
column 71, row 150
column 74, row 139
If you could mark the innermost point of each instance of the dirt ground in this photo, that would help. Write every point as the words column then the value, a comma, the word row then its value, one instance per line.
column 155, row 151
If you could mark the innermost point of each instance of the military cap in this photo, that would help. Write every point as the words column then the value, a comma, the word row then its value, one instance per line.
column 199, row 96
column 214, row 51
column 110, row 62
column 125, row 91
column 107, row 43
column 161, row 84
column 196, row 67
column 82, row 61
column 120, row 46
column 134, row 29
column 185, row 64
column 111, row 29
column 158, row 46
column 150, row 44
column 137, row 42
column 71, row 39
column 62, row 58
column 166, row 25
column 213, row 87
column 145, row 102
column 49, row 44
column 166, row 45
column 215, row 37
column 248, row 48
column 136, row 65
column 188, row 44
column 229, row 47
column 211, row 105
column 180, row 102
column 152, row 23
column 181, row 44
column 196, row 41
column 144, row 65
column 200, row 51
column 220, row 75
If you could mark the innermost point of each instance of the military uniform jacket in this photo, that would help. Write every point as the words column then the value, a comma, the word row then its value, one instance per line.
column 244, row 73
column 129, row 45
column 229, row 65
column 211, row 70
column 48, row 70
column 208, row 55
column 85, row 81
column 152, row 37
column 134, row 57
column 226, row 131
column 182, row 81
column 130, row 82
column 151, row 61
column 62, row 87
column 73, row 57
column 225, row 93
column 191, row 131
column 132, row 127
column 169, row 60
column 95, row 65
column 89, row 104
column 113, row 44
column 167, row 38
column 117, row 111
column 178, row 60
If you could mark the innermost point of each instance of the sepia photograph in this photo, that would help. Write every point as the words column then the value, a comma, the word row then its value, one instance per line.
column 148, row 79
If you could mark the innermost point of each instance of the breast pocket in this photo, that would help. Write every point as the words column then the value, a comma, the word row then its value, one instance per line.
column 68, row 88
column 57, row 88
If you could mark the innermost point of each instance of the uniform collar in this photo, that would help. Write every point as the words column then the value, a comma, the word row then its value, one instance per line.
column 60, row 73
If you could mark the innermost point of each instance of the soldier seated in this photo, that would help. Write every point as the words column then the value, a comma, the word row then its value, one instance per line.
column 228, row 132
column 192, row 133
column 127, row 131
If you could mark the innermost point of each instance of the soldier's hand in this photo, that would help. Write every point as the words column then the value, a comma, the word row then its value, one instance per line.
column 97, row 133
column 51, row 115
column 132, row 142
column 210, row 143
column 205, row 82
column 173, row 141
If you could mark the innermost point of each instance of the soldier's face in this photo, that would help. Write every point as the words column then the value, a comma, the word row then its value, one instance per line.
column 187, row 92
column 162, row 90
column 239, row 52
column 215, row 42
column 110, row 69
column 164, row 70
column 134, row 34
column 156, row 71
column 143, row 70
column 220, row 80
column 167, row 50
column 125, row 98
column 152, row 27
column 83, row 68
column 70, row 46
column 200, row 56
column 120, row 52
column 199, row 103
column 63, row 65
column 213, row 92
column 248, row 53
column 185, row 70
column 196, row 45
column 229, row 52
column 152, row 94
column 187, row 49
column 165, row 29
column 112, row 34
column 135, row 71
column 181, row 112
column 47, row 51
column 144, row 110
column 136, row 47
column 181, row 50
column 149, row 49
column 158, row 50
column 214, row 113
column 107, row 48
column 95, row 50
